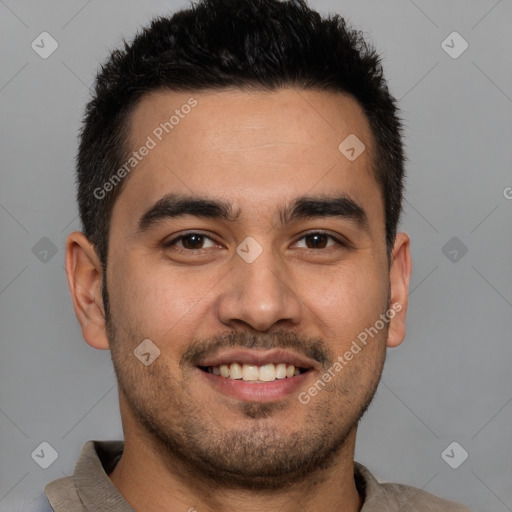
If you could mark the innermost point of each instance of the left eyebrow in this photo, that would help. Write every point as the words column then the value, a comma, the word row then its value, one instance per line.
column 305, row 207
column 312, row 207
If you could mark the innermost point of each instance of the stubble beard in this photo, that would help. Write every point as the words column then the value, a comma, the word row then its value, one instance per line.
column 261, row 456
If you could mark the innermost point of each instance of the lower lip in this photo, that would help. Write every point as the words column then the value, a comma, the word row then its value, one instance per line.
column 256, row 391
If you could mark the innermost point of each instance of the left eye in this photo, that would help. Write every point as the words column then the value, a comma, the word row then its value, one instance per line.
column 318, row 241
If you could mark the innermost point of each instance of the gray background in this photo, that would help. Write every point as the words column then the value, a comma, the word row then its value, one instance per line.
column 449, row 381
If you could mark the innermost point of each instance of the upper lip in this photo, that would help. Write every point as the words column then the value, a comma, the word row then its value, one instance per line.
column 259, row 357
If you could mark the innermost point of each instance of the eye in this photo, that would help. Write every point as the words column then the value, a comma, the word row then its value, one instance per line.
column 318, row 240
column 191, row 241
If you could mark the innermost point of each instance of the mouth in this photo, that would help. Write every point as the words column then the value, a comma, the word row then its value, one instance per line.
column 253, row 373
column 257, row 375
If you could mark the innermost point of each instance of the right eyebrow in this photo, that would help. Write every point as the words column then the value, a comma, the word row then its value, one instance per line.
column 178, row 205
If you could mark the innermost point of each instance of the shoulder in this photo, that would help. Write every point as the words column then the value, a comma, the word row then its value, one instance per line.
column 38, row 503
column 411, row 499
column 393, row 497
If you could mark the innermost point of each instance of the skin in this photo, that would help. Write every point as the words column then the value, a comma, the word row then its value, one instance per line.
column 186, row 444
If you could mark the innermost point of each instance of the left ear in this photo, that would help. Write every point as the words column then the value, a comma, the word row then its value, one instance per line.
column 399, row 277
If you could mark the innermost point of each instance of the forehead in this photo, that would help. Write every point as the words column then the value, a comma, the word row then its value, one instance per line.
column 256, row 149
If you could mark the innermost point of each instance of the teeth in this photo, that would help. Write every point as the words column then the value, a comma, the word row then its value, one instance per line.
column 251, row 372
column 267, row 373
column 235, row 371
column 281, row 371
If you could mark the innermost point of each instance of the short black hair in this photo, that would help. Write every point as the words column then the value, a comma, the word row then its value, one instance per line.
column 222, row 44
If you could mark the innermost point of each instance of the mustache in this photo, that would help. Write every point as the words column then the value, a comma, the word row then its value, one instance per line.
column 314, row 348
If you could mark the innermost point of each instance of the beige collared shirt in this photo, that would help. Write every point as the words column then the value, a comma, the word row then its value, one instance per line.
column 90, row 489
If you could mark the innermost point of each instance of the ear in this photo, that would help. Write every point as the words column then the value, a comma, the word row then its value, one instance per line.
column 399, row 277
column 84, row 273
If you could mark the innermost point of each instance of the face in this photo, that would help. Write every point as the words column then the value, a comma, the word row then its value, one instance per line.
column 246, row 236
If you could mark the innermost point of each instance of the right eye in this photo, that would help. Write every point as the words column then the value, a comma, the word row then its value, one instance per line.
column 191, row 242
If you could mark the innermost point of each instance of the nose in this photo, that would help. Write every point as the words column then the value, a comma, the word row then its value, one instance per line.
column 259, row 294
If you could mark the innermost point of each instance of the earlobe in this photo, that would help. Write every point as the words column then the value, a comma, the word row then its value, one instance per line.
column 399, row 277
column 84, row 274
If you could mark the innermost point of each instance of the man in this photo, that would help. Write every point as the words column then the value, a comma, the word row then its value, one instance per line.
column 240, row 179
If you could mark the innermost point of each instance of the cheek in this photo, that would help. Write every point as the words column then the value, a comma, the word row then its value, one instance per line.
column 157, row 300
column 346, row 301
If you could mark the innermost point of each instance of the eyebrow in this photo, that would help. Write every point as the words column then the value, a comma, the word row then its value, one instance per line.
column 173, row 206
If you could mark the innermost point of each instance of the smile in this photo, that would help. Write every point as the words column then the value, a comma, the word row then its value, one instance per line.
column 254, row 373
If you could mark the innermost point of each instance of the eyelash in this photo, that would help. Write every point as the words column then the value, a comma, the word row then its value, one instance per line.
column 337, row 240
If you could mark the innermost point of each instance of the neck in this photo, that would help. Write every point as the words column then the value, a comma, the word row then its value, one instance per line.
column 151, row 480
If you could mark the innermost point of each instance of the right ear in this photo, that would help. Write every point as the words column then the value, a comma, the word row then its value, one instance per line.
column 84, row 273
